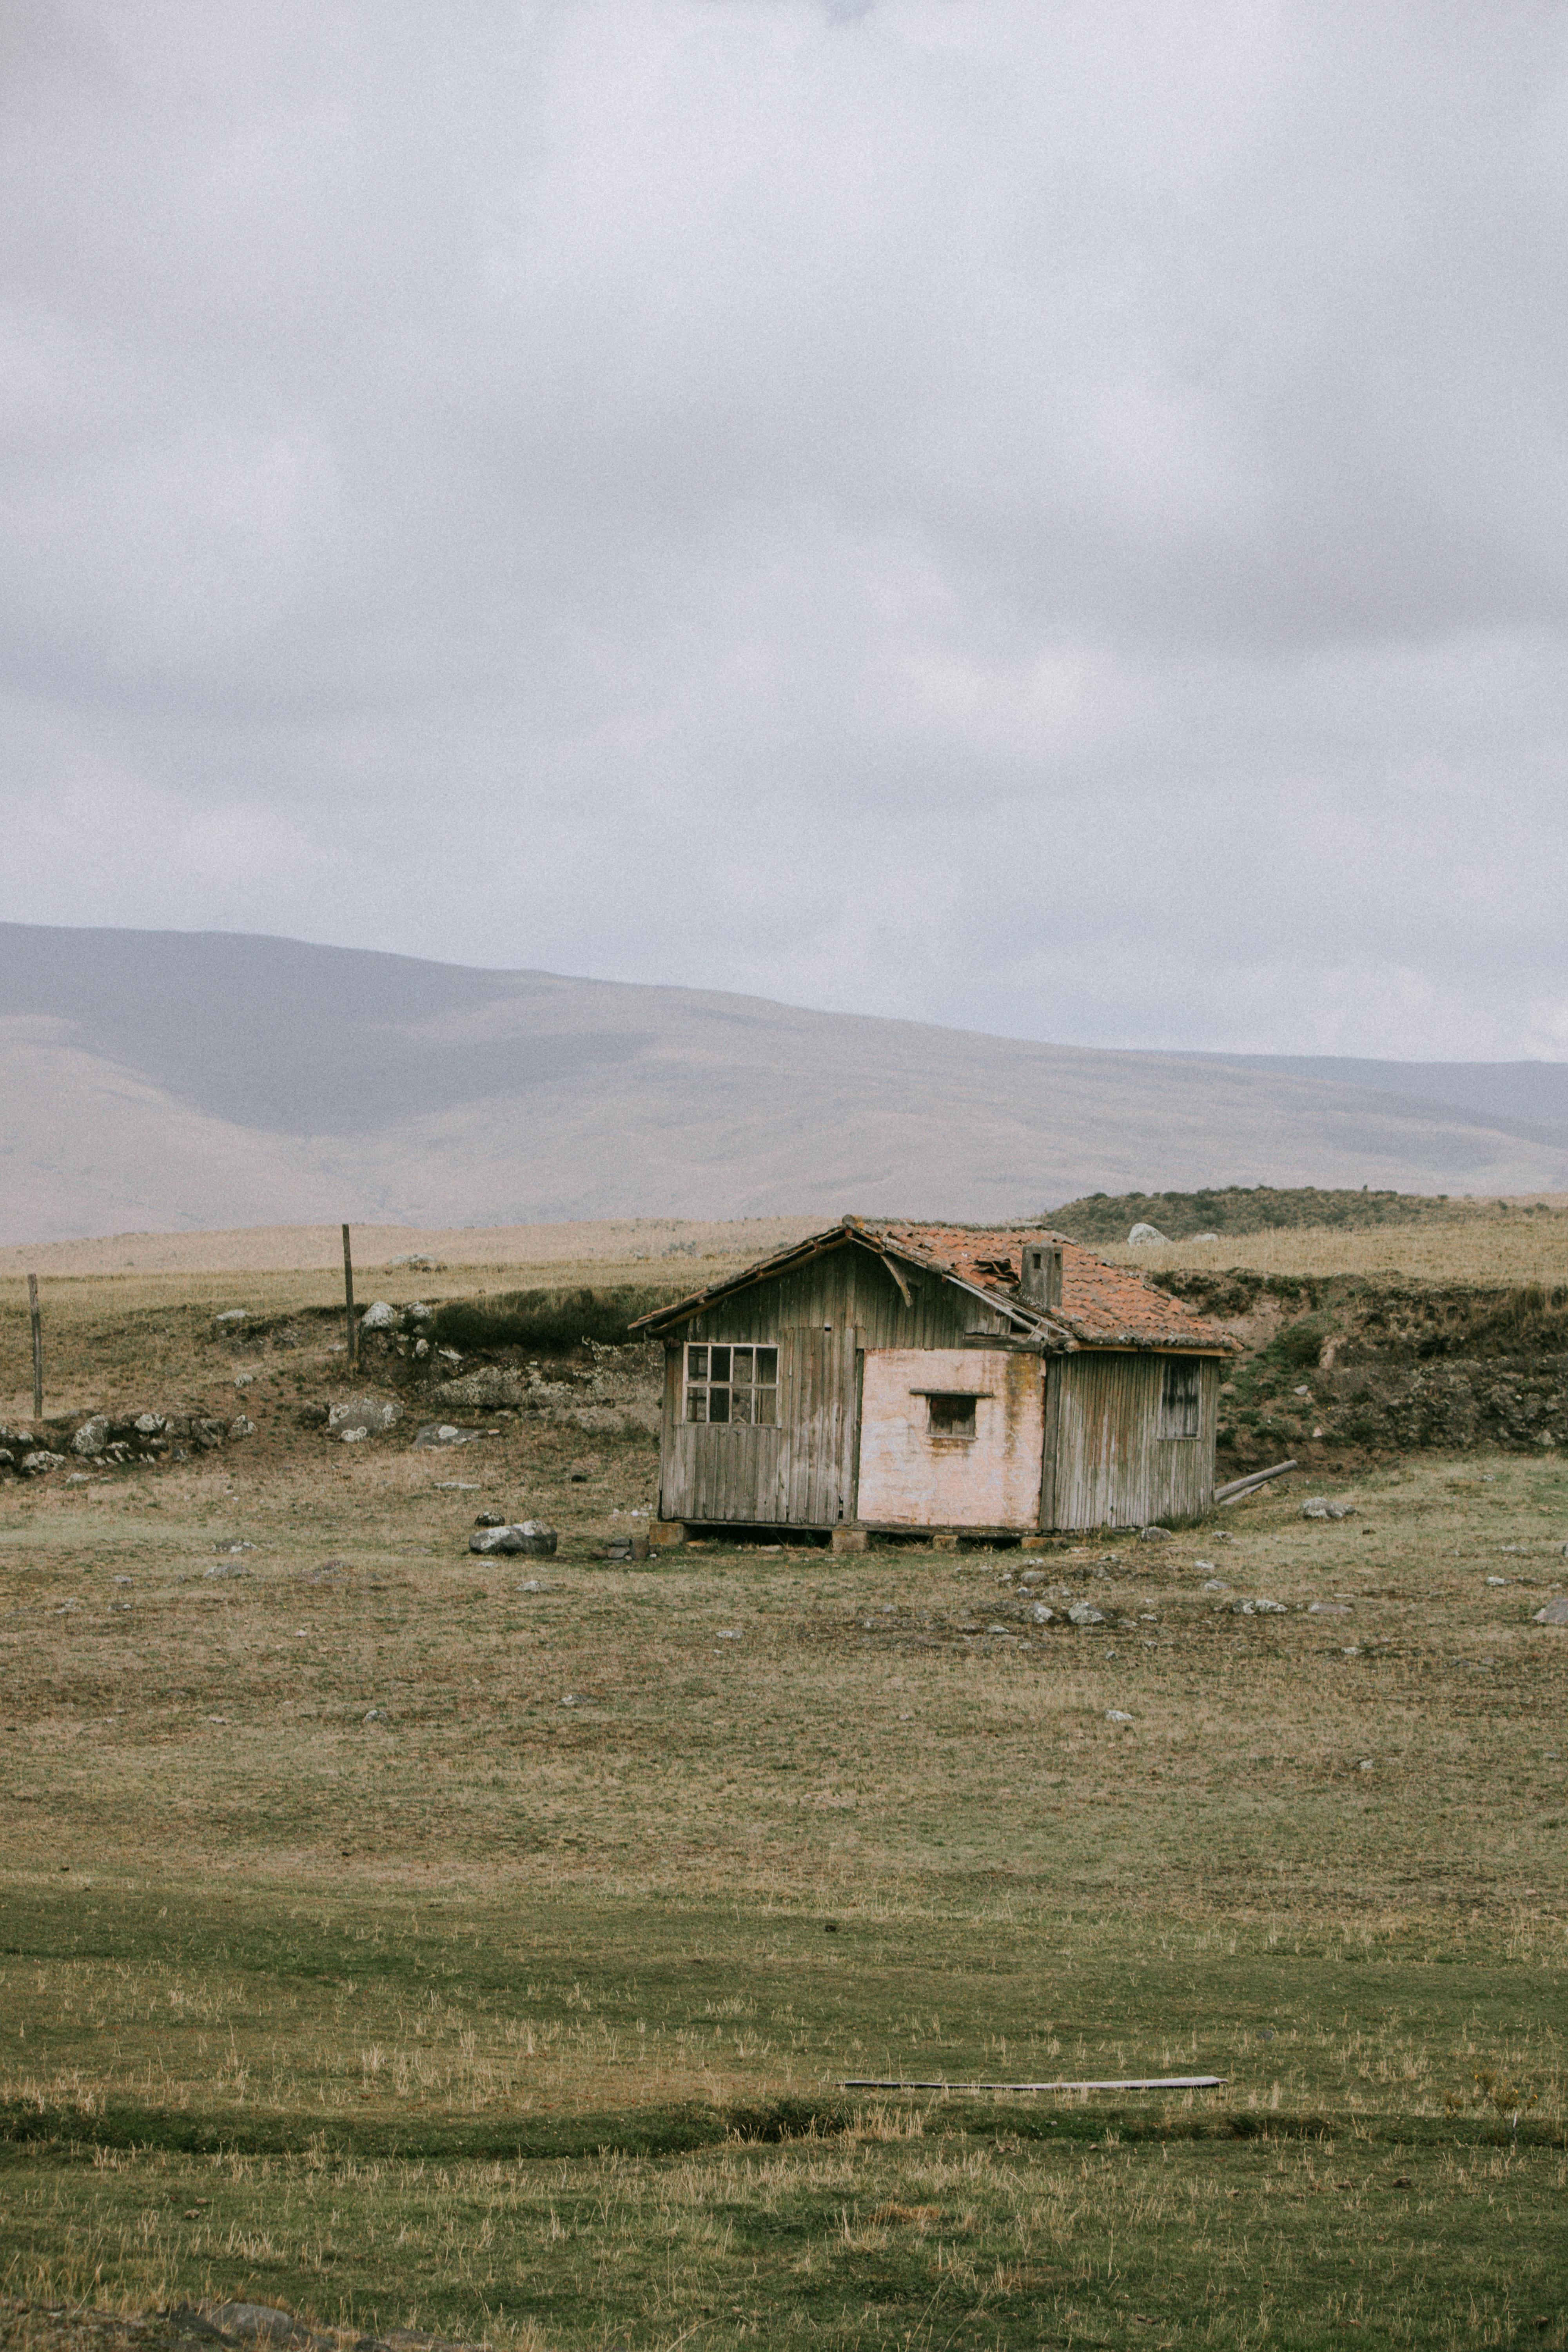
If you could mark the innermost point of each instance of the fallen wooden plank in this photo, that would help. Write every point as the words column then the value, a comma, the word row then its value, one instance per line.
column 1143, row 2082
column 1239, row 1487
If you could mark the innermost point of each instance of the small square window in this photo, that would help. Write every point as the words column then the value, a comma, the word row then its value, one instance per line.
column 696, row 1404
column 718, row 1363
column 1181, row 1396
column 767, row 1368
column 742, row 1373
column 740, row 1404
column 718, row 1402
column 951, row 1416
column 697, row 1363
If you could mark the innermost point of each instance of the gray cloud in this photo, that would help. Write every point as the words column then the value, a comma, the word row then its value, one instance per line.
column 1044, row 517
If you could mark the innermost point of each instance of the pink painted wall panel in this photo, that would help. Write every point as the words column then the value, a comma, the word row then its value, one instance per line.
column 912, row 1477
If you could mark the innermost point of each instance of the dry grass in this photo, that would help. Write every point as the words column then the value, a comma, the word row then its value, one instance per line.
column 1489, row 1250
column 286, row 1987
column 512, row 1250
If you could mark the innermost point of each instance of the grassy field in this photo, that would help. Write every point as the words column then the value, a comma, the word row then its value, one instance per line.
column 386, row 1939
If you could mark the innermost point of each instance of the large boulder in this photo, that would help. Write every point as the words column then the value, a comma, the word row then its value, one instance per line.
column 530, row 1536
column 1142, row 1233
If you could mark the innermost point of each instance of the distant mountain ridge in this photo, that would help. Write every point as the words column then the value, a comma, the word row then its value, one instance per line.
column 171, row 1080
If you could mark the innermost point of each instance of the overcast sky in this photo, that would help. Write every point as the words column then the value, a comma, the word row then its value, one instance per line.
column 1051, row 517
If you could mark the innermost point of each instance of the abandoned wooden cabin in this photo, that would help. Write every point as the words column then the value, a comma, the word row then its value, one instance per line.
column 902, row 1378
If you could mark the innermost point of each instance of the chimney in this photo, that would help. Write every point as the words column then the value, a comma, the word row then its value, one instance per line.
column 1041, row 1283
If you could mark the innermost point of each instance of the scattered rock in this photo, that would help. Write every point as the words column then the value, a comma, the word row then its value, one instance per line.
column 483, row 1390
column 313, row 1416
column 1327, row 1609
column 1084, row 1613
column 245, row 1379
column 1497, row 1579
column 242, row 1426
column 1259, row 1608
column 259, row 2323
column 1319, row 1506
column 1154, row 1535
column 1204, row 1566
column 39, row 1463
column 226, row 1568
column 1141, row 1233
column 231, row 1317
column 374, row 1715
column 1555, row 1611
column 362, row 1416
column 1040, row 1614
column 444, row 1432
column 489, row 1519
column 529, row 1535
column 92, row 1436
column 1205, row 1237
column 1214, row 1583
column 382, row 1317
column 1115, row 1715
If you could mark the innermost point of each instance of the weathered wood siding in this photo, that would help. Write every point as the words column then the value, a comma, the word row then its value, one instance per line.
column 848, row 1285
column 1107, row 1465
column 912, row 1478
column 820, row 1314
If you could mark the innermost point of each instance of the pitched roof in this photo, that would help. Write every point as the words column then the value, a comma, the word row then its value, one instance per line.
column 1102, row 1305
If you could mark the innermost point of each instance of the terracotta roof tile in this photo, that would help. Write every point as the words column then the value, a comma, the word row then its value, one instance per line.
column 1100, row 1304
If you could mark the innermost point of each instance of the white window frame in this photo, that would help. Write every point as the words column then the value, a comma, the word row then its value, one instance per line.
column 699, row 1380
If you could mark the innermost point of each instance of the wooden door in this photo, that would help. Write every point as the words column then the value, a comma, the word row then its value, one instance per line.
column 821, row 1426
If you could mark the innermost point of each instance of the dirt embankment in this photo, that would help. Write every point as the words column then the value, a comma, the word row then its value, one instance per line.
column 1346, row 1368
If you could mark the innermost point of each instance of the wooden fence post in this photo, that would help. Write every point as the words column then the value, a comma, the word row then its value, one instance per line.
column 348, row 1302
column 36, row 1321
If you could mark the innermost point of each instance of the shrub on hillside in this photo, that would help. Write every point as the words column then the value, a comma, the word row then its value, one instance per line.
column 550, row 1322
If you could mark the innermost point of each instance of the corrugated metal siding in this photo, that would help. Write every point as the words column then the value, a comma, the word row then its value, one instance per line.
column 1111, row 1467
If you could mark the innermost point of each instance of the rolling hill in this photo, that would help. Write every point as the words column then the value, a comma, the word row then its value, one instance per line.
column 170, row 1081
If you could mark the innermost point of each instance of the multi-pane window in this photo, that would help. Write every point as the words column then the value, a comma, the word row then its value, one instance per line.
column 732, row 1384
column 1180, row 1397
